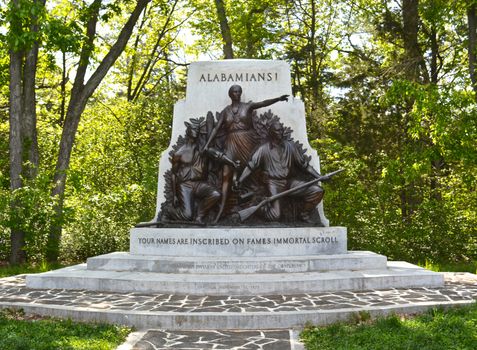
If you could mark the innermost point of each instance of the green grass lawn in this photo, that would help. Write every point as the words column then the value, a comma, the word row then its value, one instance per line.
column 7, row 270
column 436, row 330
column 470, row 266
column 19, row 332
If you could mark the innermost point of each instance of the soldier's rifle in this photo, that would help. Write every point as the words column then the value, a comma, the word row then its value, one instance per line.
column 248, row 212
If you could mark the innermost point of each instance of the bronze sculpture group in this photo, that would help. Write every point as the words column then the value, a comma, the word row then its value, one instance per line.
column 225, row 166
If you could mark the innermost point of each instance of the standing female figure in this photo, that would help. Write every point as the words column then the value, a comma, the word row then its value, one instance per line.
column 240, row 136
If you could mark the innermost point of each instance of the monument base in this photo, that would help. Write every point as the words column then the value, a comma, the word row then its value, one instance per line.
column 237, row 261
column 123, row 261
column 198, row 277
column 394, row 275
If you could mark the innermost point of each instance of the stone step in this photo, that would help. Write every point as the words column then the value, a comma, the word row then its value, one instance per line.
column 226, row 320
column 397, row 275
column 181, row 311
column 124, row 261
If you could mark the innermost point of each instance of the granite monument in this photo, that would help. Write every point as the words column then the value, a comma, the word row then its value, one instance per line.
column 239, row 203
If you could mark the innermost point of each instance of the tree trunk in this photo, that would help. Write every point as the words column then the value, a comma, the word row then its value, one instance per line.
column 434, row 55
column 24, row 156
column 439, row 162
column 17, row 237
column 79, row 97
column 314, row 65
column 472, row 24
column 411, row 61
column 64, row 80
column 415, row 66
column 224, row 29
column 29, row 130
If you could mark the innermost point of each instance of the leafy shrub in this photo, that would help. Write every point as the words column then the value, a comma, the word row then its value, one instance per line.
column 368, row 204
column 101, row 222
column 4, row 231
column 33, row 214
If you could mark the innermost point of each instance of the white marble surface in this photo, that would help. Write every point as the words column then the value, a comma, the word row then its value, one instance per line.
column 396, row 275
column 238, row 241
column 203, row 95
column 124, row 261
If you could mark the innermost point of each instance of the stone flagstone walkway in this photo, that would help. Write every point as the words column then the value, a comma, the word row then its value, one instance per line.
column 220, row 339
column 13, row 290
column 460, row 288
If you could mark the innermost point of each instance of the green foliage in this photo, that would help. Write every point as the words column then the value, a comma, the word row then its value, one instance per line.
column 19, row 333
column 113, row 176
column 408, row 147
column 4, row 231
column 21, row 16
column 4, row 76
column 102, row 222
column 256, row 27
column 144, row 68
column 369, row 205
column 62, row 35
column 462, row 267
column 437, row 329
column 33, row 214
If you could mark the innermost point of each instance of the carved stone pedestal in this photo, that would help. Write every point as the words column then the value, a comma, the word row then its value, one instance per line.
column 231, row 261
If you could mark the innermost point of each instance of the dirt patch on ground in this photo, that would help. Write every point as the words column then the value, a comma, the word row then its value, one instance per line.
column 460, row 277
column 19, row 315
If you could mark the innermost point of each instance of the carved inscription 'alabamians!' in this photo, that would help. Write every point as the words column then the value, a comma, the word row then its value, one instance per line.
column 238, row 77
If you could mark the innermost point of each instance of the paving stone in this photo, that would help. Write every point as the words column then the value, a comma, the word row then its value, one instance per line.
column 320, row 303
column 383, row 303
column 264, row 303
column 358, row 303
column 344, row 294
column 13, row 291
column 285, row 308
column 53, row 302
column 235, row 309
column 243, row 340
column 10, row 299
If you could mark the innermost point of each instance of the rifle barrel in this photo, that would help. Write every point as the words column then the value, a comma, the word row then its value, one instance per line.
column 299, row 187
column 244, row 214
